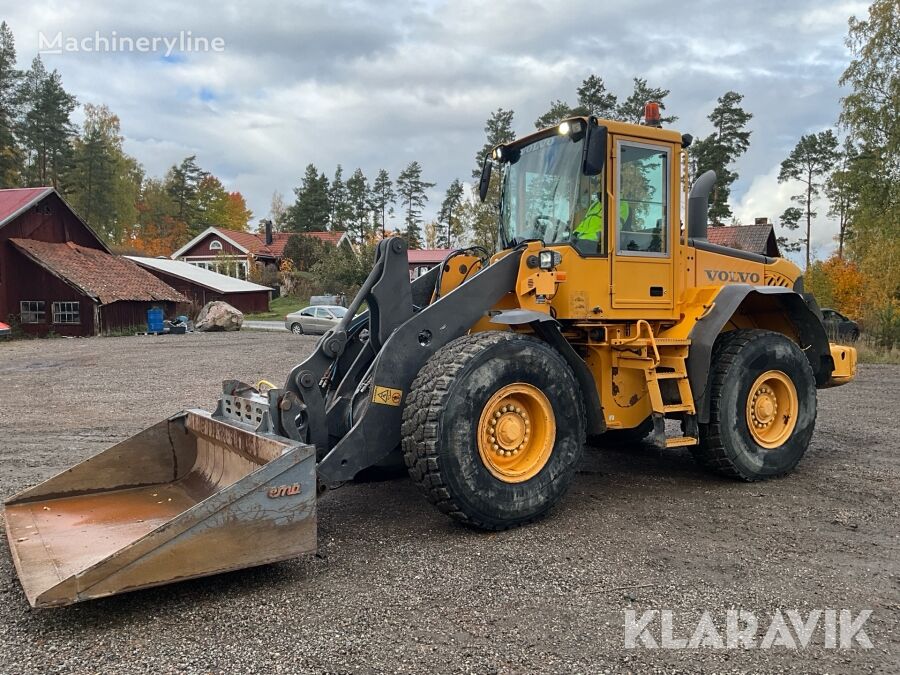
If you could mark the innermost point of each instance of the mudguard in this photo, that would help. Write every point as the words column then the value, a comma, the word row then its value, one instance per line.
column 803, row 313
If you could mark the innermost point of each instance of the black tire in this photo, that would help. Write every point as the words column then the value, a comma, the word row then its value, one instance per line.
column 854, row 335
column 726, row 444
column 440, row 427
column 296, row 329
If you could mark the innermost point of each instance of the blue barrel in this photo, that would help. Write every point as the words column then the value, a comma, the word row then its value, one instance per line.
column 155, row 320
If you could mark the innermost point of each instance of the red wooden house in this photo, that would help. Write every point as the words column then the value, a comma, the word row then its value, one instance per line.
column 230, row 252
column 57, row 275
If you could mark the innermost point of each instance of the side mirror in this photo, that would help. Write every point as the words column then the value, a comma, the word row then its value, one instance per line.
column 485, row 181
column 594, row 156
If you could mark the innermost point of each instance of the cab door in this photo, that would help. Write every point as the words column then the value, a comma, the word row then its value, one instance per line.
column 641, row 246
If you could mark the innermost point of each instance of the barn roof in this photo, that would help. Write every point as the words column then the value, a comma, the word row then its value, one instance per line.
column 16, row 201
column 197, row 275
column 254, row 243
column 104, row 277
column 752, row 238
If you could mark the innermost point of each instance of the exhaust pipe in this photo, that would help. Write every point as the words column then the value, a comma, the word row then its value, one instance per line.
column 698, row 205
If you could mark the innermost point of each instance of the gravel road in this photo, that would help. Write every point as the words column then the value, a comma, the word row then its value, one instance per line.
column 396, row 586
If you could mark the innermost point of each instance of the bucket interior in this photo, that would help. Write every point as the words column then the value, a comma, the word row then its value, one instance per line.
column 171, row 482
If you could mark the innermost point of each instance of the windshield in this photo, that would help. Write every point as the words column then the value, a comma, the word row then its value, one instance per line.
column 546, row 196
column 338, row 312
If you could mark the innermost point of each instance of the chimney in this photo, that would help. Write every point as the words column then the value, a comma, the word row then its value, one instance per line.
column 761, row 221
column 268, row 232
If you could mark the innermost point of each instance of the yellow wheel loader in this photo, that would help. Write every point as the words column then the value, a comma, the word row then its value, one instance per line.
column 606, row 313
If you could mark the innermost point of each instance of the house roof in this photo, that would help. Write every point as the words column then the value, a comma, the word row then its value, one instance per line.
column 100, row 275
column 751, row 238
column 254, row 243
column 197, row 275
column 420, row 256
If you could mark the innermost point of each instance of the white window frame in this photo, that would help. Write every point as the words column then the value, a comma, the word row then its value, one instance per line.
column 215, row 245
column 67, row 312
column 32, row 315
column 666, row 201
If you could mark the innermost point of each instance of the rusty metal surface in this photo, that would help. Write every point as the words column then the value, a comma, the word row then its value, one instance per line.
column 188, row 497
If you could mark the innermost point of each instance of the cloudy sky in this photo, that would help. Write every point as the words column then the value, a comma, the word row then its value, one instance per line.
column 376, row 86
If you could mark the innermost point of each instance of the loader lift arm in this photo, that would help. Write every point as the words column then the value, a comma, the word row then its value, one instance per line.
column 347, row 397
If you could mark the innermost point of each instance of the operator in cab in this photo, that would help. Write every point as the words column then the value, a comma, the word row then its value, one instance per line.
column 588, row 234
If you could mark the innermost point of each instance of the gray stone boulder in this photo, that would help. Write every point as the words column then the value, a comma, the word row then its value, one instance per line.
column 218, row 315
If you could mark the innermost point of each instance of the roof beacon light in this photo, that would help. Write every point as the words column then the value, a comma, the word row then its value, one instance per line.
column 564, row 129
column 651, row 114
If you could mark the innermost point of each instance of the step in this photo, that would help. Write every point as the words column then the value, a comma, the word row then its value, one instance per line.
column 670, row 376
column 679, row 407
column 681, row 441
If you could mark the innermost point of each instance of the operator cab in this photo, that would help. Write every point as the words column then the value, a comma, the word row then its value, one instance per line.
column 605, row 195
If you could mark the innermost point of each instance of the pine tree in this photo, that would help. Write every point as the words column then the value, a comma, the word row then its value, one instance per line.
column 383, row 198
column 358, row 204
column 721, row 149
column 632, row 108
column 790, row 220
column 482, row 217
column 449, row 216
column 810, row 163
column 559, row 110
column 104, row 182
column 46, row 128
column 411, row 190
column 183, row 186
column 498, row 129
column 311, row 209
column 10, row 78
column 595, row 99
column 337, row 200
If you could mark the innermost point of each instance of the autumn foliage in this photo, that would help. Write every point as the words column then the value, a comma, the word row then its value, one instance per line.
column 841, row 285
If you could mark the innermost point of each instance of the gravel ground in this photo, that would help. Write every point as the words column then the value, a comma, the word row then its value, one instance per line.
column 398, row 587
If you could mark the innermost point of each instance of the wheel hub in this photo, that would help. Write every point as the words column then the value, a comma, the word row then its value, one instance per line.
column 772, row 409
column 516, row 432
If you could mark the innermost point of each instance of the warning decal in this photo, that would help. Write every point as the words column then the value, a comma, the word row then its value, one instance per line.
column 386, row 395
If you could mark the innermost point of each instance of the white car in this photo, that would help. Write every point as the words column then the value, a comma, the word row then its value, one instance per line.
column 314, row 319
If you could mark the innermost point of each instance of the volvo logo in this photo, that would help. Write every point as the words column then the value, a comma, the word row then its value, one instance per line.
column 732, row 276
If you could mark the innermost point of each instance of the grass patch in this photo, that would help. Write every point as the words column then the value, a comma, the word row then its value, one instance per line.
column 278, row 308
column 871, row 353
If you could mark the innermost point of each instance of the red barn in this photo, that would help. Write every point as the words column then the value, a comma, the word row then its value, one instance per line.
column 57, row 275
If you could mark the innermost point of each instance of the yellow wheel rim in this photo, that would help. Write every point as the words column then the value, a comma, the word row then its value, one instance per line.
column 772, row 408
column 516, row 432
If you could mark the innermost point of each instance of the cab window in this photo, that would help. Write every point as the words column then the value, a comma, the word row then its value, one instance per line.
column 643, row 197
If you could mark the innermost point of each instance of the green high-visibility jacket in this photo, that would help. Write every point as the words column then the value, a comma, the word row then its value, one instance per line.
column 591, row 226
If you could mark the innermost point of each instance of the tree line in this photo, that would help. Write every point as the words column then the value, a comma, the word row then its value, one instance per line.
column 860, row 176
column 108, row 188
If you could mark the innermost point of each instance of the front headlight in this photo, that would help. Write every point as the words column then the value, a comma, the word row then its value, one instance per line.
column 547, row 260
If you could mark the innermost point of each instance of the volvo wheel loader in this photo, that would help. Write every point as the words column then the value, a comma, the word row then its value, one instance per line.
column 606, row 313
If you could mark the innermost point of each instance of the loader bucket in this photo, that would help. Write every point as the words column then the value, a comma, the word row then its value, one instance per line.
column 188, row 497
